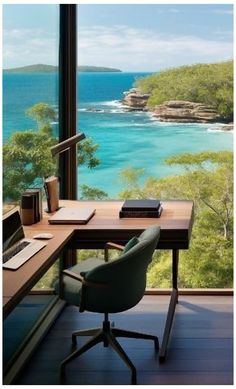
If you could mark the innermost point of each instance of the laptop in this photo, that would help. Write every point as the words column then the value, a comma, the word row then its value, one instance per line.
column 72, row 216
column 16, row 248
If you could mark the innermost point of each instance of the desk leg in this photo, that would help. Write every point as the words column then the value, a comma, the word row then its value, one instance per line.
column 172, row 305
column 67, row 259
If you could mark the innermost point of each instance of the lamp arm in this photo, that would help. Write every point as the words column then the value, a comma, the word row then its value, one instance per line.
column 67, row 144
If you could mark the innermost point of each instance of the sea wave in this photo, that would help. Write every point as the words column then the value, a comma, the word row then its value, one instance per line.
column 116, row 111
column 215, row 130
column 219, row 130
column 113, row 103
column 99, row 109
column 136, row 126
column 177, row 124
column 147, row 124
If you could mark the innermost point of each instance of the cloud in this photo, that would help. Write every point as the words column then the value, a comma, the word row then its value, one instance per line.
column 120, row 46
column 28, row 46
column 223, row 11
column 174, row 10
column 140, row 49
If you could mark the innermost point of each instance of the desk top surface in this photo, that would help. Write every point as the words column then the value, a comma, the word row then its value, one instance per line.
column 176, row 215
column 175, row 222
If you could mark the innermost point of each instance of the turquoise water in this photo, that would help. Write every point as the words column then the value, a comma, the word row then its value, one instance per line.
column 125, row 139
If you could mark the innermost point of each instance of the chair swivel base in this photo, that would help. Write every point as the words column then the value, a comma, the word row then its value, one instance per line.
column 107, row 335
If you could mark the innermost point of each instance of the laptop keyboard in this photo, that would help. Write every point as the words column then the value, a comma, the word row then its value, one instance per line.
column 14, row 251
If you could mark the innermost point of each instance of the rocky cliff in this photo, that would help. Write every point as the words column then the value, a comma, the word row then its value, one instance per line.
column 171, row 111
column 185, row 112
column 134, row 100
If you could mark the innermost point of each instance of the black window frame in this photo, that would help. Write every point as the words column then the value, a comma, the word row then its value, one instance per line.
column 68, row 99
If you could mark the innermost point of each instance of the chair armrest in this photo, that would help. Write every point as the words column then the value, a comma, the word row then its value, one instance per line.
column 73, row 275
column 78, row 277
column 111, row 245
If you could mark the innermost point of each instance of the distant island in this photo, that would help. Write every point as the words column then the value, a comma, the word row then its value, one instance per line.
column 41, row 68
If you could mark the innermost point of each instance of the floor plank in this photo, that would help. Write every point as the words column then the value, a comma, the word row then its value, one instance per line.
column 200, row 351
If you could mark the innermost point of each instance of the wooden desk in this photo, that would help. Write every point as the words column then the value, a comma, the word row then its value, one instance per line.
column 16, row 284
column 175, row 222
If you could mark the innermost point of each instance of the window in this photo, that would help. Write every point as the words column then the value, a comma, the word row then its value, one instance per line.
column 30, row 99
column 132, row 59
column 30, row 96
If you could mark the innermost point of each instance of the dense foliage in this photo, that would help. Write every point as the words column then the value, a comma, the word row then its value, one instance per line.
column 207, row 179
column 27, row 157
column 211, row 84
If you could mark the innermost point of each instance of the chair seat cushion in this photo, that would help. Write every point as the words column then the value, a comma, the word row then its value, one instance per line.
column 72, row 288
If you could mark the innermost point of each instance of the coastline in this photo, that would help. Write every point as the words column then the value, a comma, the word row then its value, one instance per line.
column 125, row 139
column 174, row 111
column 116, row 107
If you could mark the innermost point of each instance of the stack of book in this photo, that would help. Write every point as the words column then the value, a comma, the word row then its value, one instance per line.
column 37, row 194
column 31, row 206
column 141, row 208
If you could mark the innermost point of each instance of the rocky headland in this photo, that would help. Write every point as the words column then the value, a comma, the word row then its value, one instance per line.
column 178, row 111
column 185, row 112
column 135, row 100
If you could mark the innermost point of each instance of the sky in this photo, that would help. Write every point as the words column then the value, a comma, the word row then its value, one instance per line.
column 130, row 37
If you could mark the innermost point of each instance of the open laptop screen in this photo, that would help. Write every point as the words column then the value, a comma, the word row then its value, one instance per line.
column 12, row 230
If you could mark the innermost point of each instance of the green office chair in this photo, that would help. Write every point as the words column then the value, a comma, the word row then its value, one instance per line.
column 110, row 287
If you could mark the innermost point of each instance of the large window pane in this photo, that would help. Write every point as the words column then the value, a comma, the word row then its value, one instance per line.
column 30, row 96
column 30, row 101
column 148, row 148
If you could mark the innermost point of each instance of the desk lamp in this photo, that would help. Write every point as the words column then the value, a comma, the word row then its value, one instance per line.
column 51, row 183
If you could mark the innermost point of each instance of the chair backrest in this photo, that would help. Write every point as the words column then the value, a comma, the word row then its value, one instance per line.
column 125, row 277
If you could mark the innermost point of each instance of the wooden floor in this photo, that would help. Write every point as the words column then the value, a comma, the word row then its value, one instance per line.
column 200, row 351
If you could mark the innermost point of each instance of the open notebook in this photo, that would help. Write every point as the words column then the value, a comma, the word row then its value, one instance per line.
column 72, row 216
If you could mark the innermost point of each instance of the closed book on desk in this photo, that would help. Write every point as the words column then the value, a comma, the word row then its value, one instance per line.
column 141, row 214
column 51, row 186
column 141, row 205
column 72, row 216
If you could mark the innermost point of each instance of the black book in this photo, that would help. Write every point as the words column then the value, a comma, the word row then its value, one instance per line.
column 29, row 200
column 141, row 205
column 37, row 192
column 141, row 214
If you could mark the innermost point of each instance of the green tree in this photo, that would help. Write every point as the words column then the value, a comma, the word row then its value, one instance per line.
column 210, row 84
column 86, row 153
column 91, row 193
column 43, row 114
column 207, row 179
column 27, row 157
column 130, row 178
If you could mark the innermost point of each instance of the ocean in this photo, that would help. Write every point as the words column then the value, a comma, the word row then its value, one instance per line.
column 126, row 139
